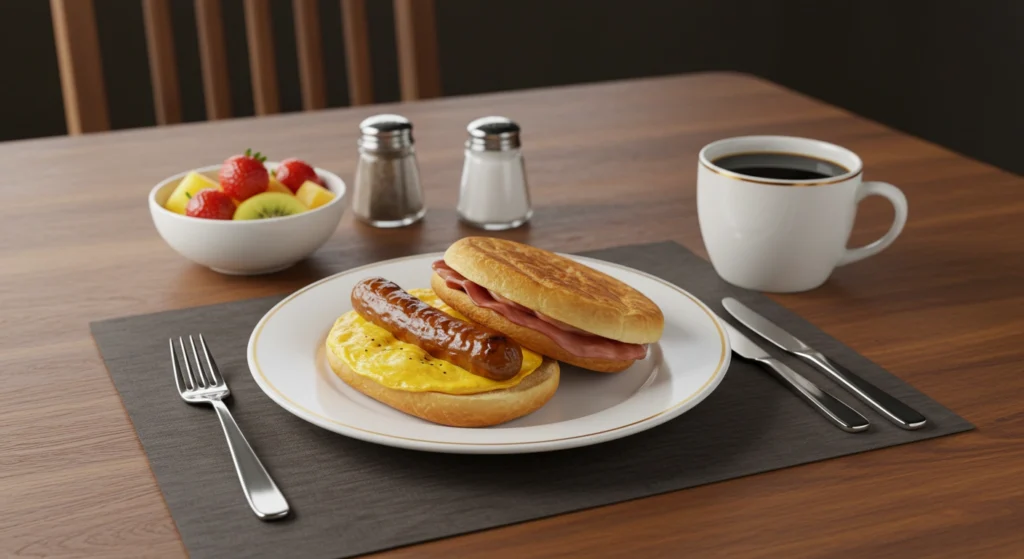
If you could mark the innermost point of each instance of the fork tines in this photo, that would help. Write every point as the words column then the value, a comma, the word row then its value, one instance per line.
column 204, row 377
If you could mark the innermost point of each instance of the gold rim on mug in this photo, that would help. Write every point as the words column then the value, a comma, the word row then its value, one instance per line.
column 259, row 330
column 780, row 182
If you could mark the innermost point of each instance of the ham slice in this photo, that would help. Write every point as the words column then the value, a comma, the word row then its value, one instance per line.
column 571, row 339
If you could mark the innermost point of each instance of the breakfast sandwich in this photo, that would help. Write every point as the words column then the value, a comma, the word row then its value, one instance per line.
column 413, row 352
column 548, row 303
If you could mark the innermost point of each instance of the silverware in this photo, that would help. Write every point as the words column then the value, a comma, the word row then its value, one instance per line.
column 843, row 416
column 208, row 386
column 893, row 409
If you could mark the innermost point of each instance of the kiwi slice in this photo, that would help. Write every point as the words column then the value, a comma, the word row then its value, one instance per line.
column 269, row 204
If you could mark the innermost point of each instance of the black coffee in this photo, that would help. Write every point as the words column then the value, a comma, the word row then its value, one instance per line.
column 785, row 166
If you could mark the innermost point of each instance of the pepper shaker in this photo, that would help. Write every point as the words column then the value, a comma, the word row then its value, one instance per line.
column 494, row 194
column 387, row 191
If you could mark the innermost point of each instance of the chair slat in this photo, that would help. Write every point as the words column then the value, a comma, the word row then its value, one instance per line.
column 357, row 52
column 81, row 71
column 81, row 67
column 262, row 66
column 213, row 59
column 163, row 70
column 416, row 35
column 310, row 49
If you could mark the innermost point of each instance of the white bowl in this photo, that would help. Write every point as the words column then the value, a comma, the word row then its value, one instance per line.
column 247, row 247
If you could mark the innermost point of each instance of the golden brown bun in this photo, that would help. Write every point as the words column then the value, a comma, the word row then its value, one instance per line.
column 460, row 410
column 528, row 337
column 559, row 288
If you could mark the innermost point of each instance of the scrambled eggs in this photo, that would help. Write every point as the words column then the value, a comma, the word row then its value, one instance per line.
column 372, row 351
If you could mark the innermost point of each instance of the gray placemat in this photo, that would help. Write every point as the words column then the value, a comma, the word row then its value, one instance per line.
column 349, row 497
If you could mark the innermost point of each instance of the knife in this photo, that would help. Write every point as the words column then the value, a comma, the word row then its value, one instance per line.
column 845, row 417
column 893, row 409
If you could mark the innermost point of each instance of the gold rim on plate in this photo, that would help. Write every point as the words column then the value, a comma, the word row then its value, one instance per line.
column 254, row 361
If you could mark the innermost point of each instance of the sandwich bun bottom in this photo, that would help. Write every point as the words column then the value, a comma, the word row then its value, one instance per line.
column 460, row 410
column 528, row 337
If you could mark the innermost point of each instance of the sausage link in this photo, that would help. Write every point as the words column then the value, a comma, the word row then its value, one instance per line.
column 479, row 350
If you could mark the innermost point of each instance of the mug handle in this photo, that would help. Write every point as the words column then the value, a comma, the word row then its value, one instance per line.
column 899, row 203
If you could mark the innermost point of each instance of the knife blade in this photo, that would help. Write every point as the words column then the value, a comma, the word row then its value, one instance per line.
column 843, row 416
column 891, row 408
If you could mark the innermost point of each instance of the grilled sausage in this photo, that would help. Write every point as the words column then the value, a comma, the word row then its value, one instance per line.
column 479, row 350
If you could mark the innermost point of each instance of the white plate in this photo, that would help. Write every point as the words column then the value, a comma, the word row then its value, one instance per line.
column 287, row 359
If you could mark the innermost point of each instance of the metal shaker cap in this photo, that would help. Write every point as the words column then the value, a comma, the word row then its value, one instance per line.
column 492, row 133
column 385, row 132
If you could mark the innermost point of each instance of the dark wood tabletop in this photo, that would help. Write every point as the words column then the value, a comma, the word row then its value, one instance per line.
column 609, row 164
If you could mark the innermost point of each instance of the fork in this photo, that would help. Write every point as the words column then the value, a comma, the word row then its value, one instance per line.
column 207, row 386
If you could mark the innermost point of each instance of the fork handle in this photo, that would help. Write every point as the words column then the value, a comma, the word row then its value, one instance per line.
column 264, row 497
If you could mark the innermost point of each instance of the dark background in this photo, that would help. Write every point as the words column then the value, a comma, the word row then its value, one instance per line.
column 948, row 71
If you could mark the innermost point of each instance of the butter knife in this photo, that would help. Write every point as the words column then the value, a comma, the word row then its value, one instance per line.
column 843, row 416
column 892, row 409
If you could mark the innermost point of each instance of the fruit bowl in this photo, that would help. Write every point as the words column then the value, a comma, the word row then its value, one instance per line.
column 249, row 247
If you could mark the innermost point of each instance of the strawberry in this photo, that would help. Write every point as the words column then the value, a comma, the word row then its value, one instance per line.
column 210, row 204
column 244, row 176
column 293, row 172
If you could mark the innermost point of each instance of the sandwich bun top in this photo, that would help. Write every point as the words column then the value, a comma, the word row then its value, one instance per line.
column 558, row 288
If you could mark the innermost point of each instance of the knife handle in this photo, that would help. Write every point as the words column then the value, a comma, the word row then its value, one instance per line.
column 843, row 416
column 894, row 410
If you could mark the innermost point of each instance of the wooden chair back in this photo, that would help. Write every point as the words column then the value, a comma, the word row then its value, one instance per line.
column 81, row 68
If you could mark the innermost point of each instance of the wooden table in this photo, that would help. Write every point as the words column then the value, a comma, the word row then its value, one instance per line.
column 609, row 164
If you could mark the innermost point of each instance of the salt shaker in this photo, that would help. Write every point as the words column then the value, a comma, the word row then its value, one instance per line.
column 494, row 195
column 387, row 190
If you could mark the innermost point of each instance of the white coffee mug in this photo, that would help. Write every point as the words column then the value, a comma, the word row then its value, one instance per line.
column 784, row 235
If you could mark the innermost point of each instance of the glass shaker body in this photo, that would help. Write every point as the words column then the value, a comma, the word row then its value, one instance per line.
column 387, row 190
column 494, row 194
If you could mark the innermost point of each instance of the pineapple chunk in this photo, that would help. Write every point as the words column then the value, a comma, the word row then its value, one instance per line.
column 276, row 186
column 186, row 189
column 313, row 195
